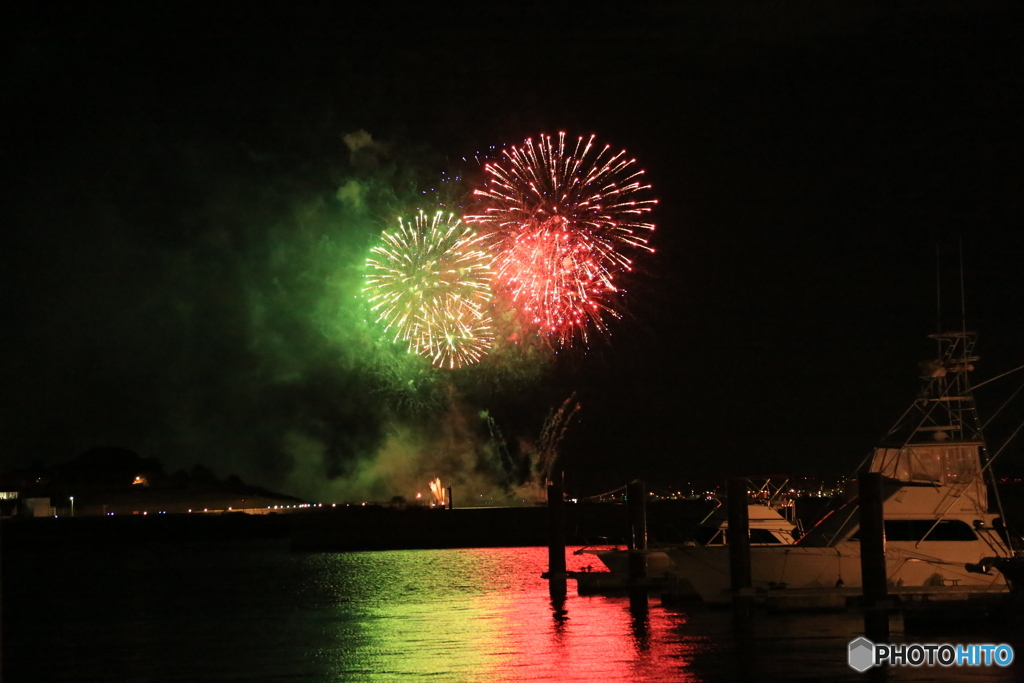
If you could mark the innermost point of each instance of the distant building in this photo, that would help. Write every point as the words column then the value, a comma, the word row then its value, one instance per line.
column 8, row 503
column 36, row 507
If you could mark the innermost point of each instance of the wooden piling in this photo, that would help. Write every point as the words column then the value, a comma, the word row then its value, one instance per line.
column 556, row 528
column 636, row 503
column 872, row 557
column 738, row 538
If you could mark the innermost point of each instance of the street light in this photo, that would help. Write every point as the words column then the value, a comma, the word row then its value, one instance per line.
column 72, row 506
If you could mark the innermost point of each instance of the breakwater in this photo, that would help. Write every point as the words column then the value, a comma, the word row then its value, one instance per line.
column 369, row 527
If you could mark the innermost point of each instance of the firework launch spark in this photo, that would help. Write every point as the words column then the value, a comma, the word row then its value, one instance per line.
column 440, row 494
column 430, row 282
column 562, row 218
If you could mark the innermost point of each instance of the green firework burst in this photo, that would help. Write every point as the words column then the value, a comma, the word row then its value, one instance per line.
column 429, row 284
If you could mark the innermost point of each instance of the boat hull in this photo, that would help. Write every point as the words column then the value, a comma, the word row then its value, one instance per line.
column 617, row 562
column 838, row 566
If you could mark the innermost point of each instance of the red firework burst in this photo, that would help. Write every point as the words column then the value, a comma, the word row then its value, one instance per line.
column 563, row 219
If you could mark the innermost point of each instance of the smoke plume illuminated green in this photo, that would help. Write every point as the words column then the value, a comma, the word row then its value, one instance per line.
column 338, row 409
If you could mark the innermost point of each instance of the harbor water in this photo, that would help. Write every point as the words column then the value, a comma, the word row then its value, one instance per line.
column 255, row 611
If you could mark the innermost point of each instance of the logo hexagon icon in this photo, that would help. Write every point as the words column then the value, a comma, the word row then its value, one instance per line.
column 862, row 654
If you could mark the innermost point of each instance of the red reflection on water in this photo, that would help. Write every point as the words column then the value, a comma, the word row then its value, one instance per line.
column 585, row 638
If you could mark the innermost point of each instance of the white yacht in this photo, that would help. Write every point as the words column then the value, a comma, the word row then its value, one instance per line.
column 937, row 518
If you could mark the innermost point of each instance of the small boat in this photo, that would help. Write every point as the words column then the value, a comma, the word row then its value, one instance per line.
column 769, row 526
column 770, row 513
column 941, row 539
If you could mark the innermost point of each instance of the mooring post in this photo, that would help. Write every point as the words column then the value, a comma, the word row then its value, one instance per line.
column 738, row 538
column 872, row 557
column 636, row 503
column 556, row 528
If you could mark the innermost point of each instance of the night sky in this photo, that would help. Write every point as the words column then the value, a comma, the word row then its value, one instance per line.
column 179, row 243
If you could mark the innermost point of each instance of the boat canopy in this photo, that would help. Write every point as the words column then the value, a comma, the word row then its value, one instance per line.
column 939, row 464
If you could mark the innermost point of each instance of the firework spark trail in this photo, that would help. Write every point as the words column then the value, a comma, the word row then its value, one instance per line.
column 561, row 220
column 551, row 436
column 430, row 282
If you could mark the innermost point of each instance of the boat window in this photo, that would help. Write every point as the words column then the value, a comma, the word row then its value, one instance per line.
column 709, row 536
column 712, row 536
column 925, row 464
column 887, row 461
column 915, row 529
column 914, row 463
column 961, row 464
column 763, row 536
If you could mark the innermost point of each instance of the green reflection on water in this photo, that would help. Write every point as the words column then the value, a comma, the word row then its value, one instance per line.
column 441, row 614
